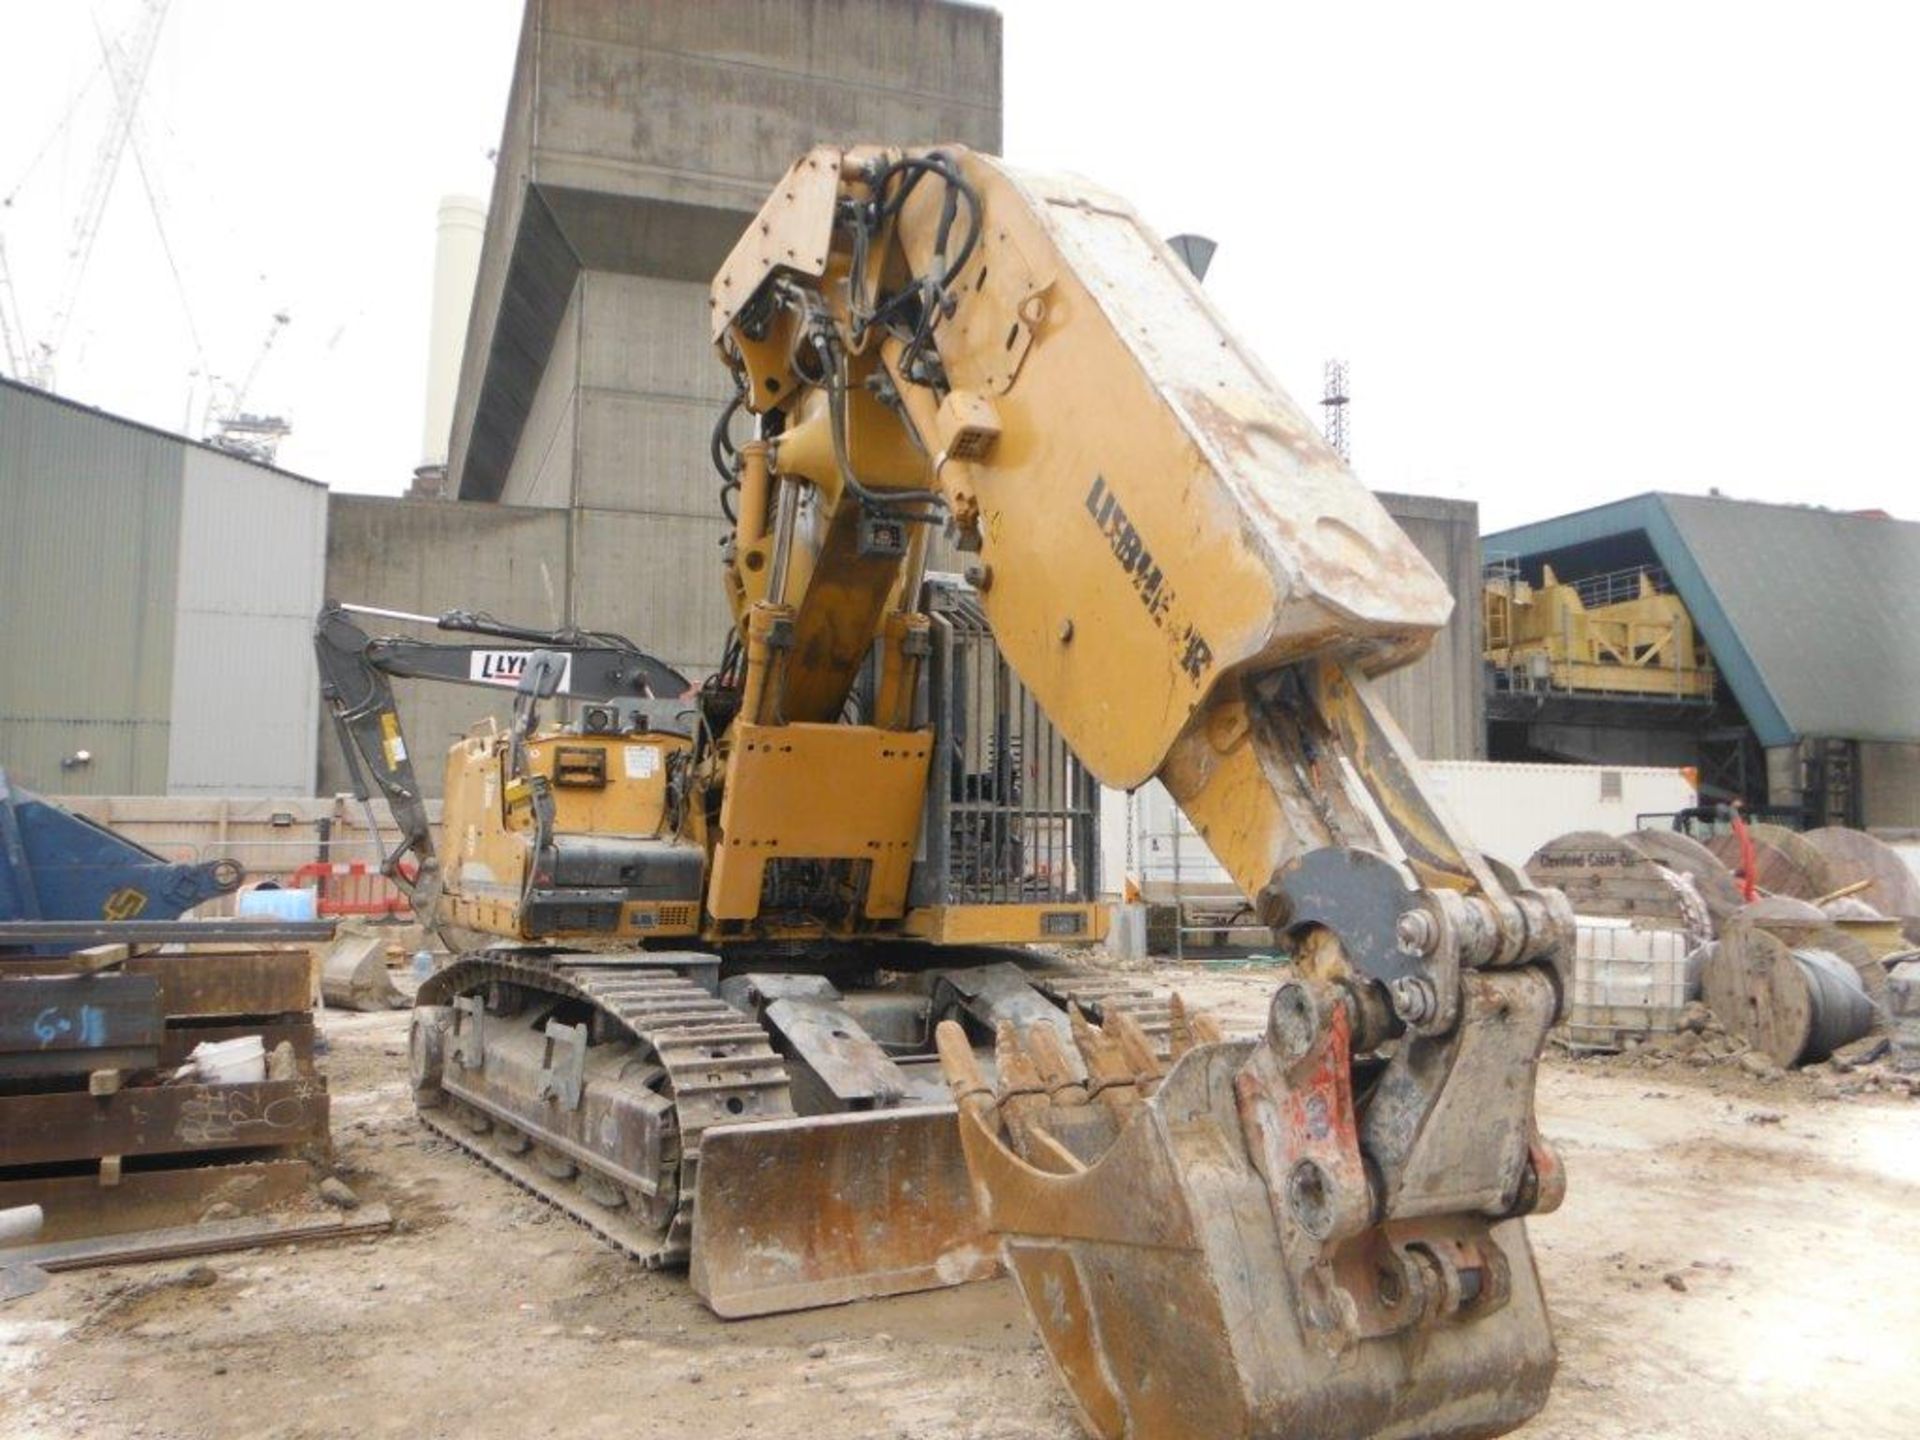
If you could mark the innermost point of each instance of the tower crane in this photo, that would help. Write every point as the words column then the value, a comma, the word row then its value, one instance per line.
column 128, row 66
column 231, row 427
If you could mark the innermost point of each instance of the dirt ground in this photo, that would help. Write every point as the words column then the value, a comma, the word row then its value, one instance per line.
column 1735, row 1260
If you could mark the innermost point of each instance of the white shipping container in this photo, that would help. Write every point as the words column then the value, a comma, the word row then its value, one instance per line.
column 1508, row 810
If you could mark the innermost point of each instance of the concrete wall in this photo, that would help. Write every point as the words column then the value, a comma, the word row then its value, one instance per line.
column 1438, row 700
column 427, row 557
column 640, row 140
column 542, row 470
column 1890, row 786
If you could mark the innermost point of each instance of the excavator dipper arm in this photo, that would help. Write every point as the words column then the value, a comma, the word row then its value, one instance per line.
column 1316, row 1233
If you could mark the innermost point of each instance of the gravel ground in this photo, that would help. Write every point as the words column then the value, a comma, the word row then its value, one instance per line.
column 1729, row 1264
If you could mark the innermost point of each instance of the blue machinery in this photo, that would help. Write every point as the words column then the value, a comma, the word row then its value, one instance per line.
column 59, row 866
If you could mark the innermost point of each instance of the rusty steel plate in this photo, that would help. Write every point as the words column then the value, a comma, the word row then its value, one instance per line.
column 821, row 1210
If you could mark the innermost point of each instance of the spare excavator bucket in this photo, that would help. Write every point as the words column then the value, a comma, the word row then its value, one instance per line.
column 1148, row 1246
column 794, row 1213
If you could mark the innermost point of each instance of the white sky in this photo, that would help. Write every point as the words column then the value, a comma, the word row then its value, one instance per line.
column 1570, row 252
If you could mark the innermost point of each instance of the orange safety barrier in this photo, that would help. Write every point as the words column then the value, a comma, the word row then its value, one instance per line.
column 350, row 887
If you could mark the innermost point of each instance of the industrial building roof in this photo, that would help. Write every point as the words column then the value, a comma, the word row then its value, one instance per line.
column 30, row 392
column 1813, row 616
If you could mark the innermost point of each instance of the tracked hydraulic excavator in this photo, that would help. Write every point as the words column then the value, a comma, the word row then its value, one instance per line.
column 721, row 937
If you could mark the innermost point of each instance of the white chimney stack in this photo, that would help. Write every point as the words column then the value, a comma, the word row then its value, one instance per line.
column 456, row 267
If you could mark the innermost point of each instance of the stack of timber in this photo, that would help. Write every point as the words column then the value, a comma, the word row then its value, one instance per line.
column 96, row 1125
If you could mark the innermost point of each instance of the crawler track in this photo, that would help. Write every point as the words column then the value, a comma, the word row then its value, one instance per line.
column 712, row 1063
column 715, row 1066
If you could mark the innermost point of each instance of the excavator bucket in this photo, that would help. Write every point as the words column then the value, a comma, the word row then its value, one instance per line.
column 821, row 1210
column 1180, row 1291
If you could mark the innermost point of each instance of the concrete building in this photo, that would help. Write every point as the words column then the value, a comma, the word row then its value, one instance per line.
column 1438, row 699
column 640, row 139
column 1810, row 617
column 158, row 599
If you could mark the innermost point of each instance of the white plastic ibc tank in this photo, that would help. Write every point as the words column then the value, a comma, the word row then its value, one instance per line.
column 1627, row 983
column 1903, row 1001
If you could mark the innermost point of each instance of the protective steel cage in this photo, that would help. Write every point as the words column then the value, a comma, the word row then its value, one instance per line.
column 1012, row 815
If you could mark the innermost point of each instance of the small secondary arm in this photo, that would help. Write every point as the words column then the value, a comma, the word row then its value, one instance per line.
column 356, row 672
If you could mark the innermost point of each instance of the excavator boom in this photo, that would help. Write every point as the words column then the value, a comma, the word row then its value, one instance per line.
column 1315, row 1233
column 356, row 681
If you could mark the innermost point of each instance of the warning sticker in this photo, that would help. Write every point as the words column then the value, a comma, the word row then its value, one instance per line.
column 643, row 761
column 391, row 741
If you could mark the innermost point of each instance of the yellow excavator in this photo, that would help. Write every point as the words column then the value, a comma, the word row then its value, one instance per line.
column 773, row 975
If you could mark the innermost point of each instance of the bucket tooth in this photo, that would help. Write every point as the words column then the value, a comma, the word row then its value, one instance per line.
column 1164, row 1270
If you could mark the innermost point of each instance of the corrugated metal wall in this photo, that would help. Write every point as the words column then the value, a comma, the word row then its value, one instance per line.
column 89, row 539
column 156, row 600
column 1439, row 700
column 253, row 550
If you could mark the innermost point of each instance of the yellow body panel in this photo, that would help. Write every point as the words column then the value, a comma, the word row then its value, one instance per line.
column 1145, row 501
column 1155, row 522
column 1059, row 924
column 819, row 792
column 487, row 839
column 633, row 801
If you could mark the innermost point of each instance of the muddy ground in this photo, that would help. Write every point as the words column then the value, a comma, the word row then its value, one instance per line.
column 1736, row 1259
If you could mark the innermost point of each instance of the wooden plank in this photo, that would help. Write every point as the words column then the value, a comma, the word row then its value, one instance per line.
column 100, row 957
column 211, row 1238
column 78, row 1012
column 205, row 984
column 161, row 1120
column 217, row 931
column 79, row 1205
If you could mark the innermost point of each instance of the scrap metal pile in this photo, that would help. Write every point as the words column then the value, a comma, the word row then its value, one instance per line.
column 154, row 1072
